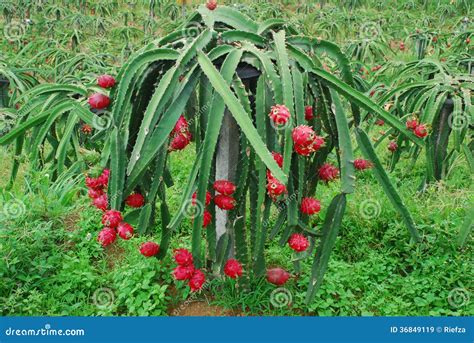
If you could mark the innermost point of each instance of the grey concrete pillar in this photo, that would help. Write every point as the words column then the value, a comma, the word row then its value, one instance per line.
column 226, row 164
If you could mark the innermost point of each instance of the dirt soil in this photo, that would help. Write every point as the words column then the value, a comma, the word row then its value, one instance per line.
column 201, row 308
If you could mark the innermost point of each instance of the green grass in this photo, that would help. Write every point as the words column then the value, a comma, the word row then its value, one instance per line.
column 52, row 264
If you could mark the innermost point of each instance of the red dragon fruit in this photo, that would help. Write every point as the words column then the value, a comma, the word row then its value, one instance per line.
column 224, row 202
column 310, row 206
column 181, row 273
column 317, row 143
column 99, row 101
column 279, row 114
column 308, row 112
column 135, row 200
column 183, row 257
column 149, row 249
column 233, row 268
column 180, row 141
column 392, row 146
column 379, row 122
column 112, row 218
column 377, row 67
column 107, row 236
column 421, row 131
column 303, row 135
column 101, row 202
column 181, row 125
column 95, row 193
column 411, row 123
column 306, row 150
column 197, row 280
column 328, row 172
column 206, row 218
column 275, row 188
column 278, row 158
column 125, row 230
column 94, row 183
column 303, row 151
column 208, row 198
column 104, row 177
column 86, row 129
column 361, row 164
column 211, row 5
column 106, row 81
column 277, row 276
column 224, row 187
column 298, row 242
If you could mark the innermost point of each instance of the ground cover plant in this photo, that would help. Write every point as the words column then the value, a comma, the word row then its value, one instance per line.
column 352, row 191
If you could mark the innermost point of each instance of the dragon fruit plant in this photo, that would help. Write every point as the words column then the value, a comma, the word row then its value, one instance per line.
column 296, row 123
column 435, row 102
column 60, row 125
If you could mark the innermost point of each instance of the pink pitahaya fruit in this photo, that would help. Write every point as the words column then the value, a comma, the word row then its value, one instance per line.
column 275, row 188
column 279, row 114
column 183, row 257
column 149, row 249
column 181, row 126
column 328, row 172
column 233, row 268
column 211, row 5
column 361, row 164
column 125, row 230
column 277, row 276
column 99, row 101
column 303, row 135
column 197, row 280
column 421, row 130
column 183, row 272
column 135, row 200
column 107, row 236
column 112, row 218
column 224, row 202
column 224, row 187
column 106, row 81
column 310, row 206
column 308, row 113
column 180, row 141
column 298, row 242
column 101, row 202
column 208, row 198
